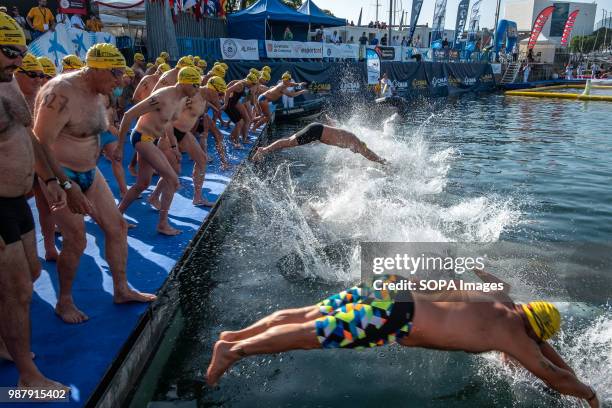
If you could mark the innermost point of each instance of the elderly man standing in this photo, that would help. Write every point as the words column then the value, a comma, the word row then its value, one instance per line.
column 20, row 154
column 70, row 115
column 40, row 19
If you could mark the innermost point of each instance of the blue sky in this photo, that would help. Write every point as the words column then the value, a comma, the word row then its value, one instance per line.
column 350, row 9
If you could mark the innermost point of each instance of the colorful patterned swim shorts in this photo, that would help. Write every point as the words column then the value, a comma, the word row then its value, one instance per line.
column 362, row 317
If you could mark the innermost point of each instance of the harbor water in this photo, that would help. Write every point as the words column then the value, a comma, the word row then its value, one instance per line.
column 484, row 168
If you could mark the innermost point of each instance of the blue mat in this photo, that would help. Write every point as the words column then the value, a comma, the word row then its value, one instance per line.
column 79, row 355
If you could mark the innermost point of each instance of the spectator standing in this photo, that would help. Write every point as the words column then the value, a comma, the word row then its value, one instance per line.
column 335, row 38
column 351, row 40
column 404, row 42
column 383, row 40
column 445, row 43
column 288, row 35
column 63, row 19
column 363, row 40
column 374, row 41
column 22, row 22
column 515, row 51
column 526, row 72
column 40, row 19
column 568, row 71
column 77, row 22
column 94, row 24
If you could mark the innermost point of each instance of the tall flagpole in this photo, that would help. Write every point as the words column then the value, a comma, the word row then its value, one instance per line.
column 390, row 18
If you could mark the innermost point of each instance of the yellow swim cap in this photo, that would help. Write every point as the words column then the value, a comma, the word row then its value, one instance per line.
column 130, row 72
column 266, row 68
column 163, row 68
column 184, row 62
column 544, row 318
column 189, row 75
column 265, row 75
column 286, row 76
column 199, row 70
column 71, row 62
column 10, row 32
column 30, row 63
column 217, row 83
column 150, row 64
column 218, row 70
column 48, row 66
column 138, row 57
column 202, row 64
column 254, row 71
column 222, row 64
column 159, row 61
column 196, row 59
column 164, row 55
column 252, row 79
column 104, row 56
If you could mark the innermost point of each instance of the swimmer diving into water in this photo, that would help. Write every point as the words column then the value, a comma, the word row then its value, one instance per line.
column 360, row 317
column 325, row 134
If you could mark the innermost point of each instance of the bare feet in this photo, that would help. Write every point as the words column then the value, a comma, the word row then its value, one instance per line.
column 222, row 360
column 129, row 295
column 69, row 313
column 155, row 203
column 40, row 381
column 202, row 202
column 167, row 230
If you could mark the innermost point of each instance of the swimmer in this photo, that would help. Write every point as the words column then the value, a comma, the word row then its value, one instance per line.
column 48, row 69
column 470, row 321
column 195, row 107
column 70, row 115
column 139, row 67
column 273, row 94
column 317, row 132
column 212, row 93
column 20, row 157
column 233, row 104
column 71, row 63
column 155, row 116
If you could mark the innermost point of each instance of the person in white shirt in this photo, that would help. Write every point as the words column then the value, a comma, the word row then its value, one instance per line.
column 568, row 71
column 77, row 22
column 526, row 71
column 335, row 38
column 63, row 18
column 386, row 87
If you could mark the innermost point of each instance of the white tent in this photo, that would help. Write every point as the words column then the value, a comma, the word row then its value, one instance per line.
column 544, row 50
column 123, row 17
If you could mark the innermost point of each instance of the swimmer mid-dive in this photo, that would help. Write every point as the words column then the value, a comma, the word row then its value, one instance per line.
column 371, row 315
column 325, row 134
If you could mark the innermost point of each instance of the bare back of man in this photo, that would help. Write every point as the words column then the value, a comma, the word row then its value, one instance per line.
column 145, row 87
column 155, row 116
column 317, row 132
column 168, row 78
column 474, row 322
column 70, row 115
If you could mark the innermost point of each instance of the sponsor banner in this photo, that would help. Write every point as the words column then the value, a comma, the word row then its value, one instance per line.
column 462, row 13
column 236, row 49
column 373, row 66
column 414, row 17
column 72, row 7
column 294, row 49
column 343, row 51
column 64, row 40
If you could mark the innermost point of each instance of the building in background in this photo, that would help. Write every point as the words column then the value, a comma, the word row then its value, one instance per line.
column 524, row 12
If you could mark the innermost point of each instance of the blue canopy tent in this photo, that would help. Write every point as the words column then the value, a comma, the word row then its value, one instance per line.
column 318, row 17
column 267, row 19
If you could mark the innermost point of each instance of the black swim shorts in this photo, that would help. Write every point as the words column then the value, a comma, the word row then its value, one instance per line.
column 179, row 135
column 15, row 219
column 309, row 134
